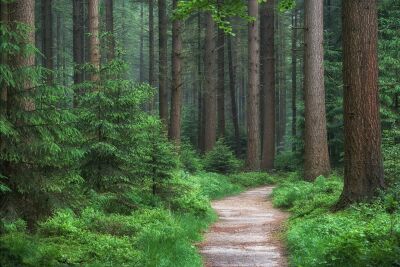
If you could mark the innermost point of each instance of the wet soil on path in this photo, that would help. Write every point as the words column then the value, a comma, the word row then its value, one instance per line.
column 247, row 232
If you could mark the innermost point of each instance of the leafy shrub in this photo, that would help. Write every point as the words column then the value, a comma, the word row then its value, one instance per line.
column 250, row 179
column 221, row 159
column 288, row 161
column 391, row 153
column 362, row 235
column 190, row 159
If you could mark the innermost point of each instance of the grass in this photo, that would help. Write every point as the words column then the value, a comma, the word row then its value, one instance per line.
column 160, row 232
column 361, row 235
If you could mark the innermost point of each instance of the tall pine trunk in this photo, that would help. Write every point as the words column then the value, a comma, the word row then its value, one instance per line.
column 23, row 11
column 232, row 90
column 316, row 158
column 176, row 88
column 294, row 78
column 47, row 40
column 253, row 116
column 268, row 84
column 110, row 30
column 210, row 94
column 141, row 56
column 78, row 44
column 163, row 62
column 221, row 80
column 94, row 41
column 151, row 42
column 363, row 169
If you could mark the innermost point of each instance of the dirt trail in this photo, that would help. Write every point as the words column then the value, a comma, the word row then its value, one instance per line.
column 247, row 232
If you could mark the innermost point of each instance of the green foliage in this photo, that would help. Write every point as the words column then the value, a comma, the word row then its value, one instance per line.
column 40, row 145
column 190, row 159
column 362, row 235
column 153, row 233
column 221, row 159
column 288, row 161
column 391, row 154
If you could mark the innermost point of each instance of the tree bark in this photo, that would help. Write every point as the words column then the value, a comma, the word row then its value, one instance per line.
column 4, row 18
column 253, row 116
column 163, row 62
column 232, row 90
column 294, row 78
column 221, row 80
column 47, row 40
column 151, row 42
column 176, row 90
column 210, row 104
column 200, row 103
column 282, row 82
column 78, row 43
column 110, row 29
column 23, row 11
column 363, row 168
column 316, row 158
column 94, row 42
column 268, row 84
column 141, row 56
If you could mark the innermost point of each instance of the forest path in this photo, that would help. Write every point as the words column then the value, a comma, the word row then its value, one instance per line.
column 247, row 232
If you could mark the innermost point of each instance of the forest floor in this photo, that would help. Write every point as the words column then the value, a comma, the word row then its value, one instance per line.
column 247, row 233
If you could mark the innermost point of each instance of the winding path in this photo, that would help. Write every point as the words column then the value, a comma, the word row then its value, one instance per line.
column 247, row 232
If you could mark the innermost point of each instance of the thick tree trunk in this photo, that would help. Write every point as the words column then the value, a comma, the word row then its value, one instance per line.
column 316, row 158
column 363, row 169
column 253, row 116
column 141, row 56
column 210, row 94
column 221, row 80
column 110, row 29
column 47, row 40
column 176, row 90
column 232, row 90
column 268, row 84
column 23, row 11
column 294, row 78
column 94, row 41
column 163, row 62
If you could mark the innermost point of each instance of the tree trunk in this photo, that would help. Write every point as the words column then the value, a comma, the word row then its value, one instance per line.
column 151, row 42
column 23, row 11
column 294, row 78
column 94, row 42
column 268, row 84
column 253, row 116
column 3, row 60
column 176, row 90
column 200, row 128
column 110, row 29
column 282, row 82
column 221, row 80
column 141, row 56
column 47, row 40
column 232, row 89
column 163, row 62
column 315, row 144
column 363, row 169
column 78, row 43
column 210, row 104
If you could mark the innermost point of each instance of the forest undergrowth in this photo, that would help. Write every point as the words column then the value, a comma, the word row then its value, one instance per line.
column 154, row 233
column 365, row 234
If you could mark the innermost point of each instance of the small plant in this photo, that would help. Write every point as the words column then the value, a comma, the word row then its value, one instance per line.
column 221, row 159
